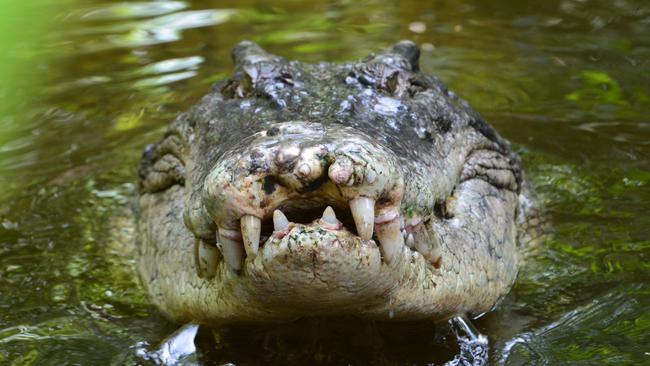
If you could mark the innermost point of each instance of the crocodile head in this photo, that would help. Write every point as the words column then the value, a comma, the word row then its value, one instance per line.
column 293, row 190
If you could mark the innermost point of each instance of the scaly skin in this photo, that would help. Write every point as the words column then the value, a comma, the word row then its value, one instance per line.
column 445, row 203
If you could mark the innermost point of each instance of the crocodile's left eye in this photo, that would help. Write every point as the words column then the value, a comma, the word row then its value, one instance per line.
column 162, row 165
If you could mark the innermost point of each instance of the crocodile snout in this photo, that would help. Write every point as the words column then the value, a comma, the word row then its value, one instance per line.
column 295, row 169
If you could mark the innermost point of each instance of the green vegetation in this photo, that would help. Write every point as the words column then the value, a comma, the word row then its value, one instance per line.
column 21, row 27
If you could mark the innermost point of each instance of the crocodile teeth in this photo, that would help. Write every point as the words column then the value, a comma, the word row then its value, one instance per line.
column 363, row 212
column 329, row 216
column 231, row 248
column 371, row 176
column 251, row 227
column 390, row 239
column 410, row 241
column 280, row 222
column 329, row 220
column 207, row 258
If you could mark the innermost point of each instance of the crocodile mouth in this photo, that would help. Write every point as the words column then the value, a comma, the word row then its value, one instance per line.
column 347, row 221
column 302, row 173
column 327, row 186
column 333, row 217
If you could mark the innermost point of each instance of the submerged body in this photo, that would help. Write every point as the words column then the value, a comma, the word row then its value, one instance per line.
column 364, row 189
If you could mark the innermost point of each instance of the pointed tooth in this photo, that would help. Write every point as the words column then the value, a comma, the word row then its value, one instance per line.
column 280, row 221
column 251, row 227
column 329, row 216
column 363, row 212
column 232, row 250
column 207, row 257
column 371, row 176
column 390, row 239
column 410, row 241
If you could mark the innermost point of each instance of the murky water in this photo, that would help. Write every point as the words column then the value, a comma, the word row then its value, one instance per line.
column 568, row 81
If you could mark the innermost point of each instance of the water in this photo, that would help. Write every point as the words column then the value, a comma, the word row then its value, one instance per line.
column 567, row 81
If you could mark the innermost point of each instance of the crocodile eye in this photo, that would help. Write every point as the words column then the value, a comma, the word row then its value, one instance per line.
column 162, row 165
column 498, row 169
column 502, row 172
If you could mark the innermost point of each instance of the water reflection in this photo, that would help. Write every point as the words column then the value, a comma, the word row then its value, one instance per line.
column 161, row 29
column 566, row 80
column 153, row 74
column 129, row 10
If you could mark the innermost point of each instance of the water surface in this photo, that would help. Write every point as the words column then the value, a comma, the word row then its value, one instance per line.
column 567, row 81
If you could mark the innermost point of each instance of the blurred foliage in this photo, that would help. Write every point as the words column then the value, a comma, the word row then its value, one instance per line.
column 21, row 25
column 598, row 87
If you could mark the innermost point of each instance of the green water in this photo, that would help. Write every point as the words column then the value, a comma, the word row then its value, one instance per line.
column 568, row 82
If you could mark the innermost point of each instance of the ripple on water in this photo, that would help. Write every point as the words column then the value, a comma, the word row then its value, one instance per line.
column 130, row 10
column 147, row 32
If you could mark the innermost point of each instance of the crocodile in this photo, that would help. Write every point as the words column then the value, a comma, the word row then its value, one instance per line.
column 364, row 189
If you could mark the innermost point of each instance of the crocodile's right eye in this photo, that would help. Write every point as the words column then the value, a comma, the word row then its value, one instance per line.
column 502, row 172
column 162, row 165
column 494, row 167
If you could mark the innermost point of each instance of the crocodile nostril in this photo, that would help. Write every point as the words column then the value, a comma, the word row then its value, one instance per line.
column 270, row 184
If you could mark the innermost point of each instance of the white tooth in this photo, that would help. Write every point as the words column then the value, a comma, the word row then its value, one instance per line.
column 363, row 212
column 390, row 239
column 410, row 241
column 251, row 227
column 207, row 258
column 280, row 221
column 371, row 176
column 232, row 250
column 329, row 216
